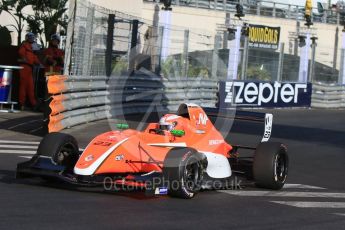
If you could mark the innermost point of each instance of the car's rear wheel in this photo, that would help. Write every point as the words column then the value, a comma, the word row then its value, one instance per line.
column 183, row 172
column 270, row 168
column 61, row 148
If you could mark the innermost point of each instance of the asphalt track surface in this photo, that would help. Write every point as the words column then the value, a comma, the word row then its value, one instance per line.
column 313, row 199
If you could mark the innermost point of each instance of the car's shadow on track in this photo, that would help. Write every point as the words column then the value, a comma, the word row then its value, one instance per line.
column 9, row 177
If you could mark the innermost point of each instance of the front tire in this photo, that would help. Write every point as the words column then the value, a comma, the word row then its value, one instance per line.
column 183, row 171
column 62, row 148
column 270, row 168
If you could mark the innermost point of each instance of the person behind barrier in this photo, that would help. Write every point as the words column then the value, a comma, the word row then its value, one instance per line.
column 54, row 57
column 27, row 60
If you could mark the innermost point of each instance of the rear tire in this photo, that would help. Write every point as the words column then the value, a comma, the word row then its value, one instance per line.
column 270, row 166
column 183, row 171
column 62, row 148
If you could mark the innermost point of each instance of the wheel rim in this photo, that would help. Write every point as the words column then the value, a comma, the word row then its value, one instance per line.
column 192, row 175
column 62, row 157
column 280, row 168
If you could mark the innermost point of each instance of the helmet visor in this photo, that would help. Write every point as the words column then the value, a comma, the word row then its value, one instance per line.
column 166, row 127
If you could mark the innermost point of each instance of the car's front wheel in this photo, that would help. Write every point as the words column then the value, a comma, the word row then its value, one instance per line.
column 61, row 148
column 183, row 171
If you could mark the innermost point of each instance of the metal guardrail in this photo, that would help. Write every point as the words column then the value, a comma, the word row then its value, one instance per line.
column 78, row 100
column 328, row 96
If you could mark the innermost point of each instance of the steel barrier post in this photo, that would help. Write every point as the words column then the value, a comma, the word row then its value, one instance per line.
column 234, row 54
column 341, row 77
column 185, row 61
column 226, row 33
column 298, row 26
column 258, row 6
column 215, row 55
column 110, row 44
column 245, row 58
column 88, row 41
column 160, row 44
column 335, row 55
column 281, row 63
column 165, row 21
column 70, row 33
column 312, row 61
column 274, row 10
column 155, row 56
column 134, row 42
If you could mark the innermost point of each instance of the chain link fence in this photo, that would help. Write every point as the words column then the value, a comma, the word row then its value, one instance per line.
column 91, row 31
column 141, row 44
column 277, row 9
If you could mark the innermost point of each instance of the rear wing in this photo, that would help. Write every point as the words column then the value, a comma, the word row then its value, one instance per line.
column 243, row 128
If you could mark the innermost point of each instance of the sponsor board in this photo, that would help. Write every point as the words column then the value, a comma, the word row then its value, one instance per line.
column 264, row 37
column 264, row 94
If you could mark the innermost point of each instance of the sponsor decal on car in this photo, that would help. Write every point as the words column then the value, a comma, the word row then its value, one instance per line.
column 161, row 191
column 89, row 158
column 215, row 142
column 268, row 127
column 119, row 157
column 202, row 119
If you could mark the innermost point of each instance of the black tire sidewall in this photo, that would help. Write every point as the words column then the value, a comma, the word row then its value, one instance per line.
column 52, row 143
column 174, row 169
column 264, row 165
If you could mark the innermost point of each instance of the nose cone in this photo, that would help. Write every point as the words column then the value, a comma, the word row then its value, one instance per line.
column 97, row 151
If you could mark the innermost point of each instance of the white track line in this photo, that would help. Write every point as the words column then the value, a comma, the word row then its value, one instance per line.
column 300, row 186
column 20, row 142
column 307, row 204
column 11, row 151
column 339, row 214
column 18, row 147
column 284, row 194
column 26, row 157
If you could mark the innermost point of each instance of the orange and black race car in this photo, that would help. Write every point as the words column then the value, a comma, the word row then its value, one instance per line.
column 179, row 155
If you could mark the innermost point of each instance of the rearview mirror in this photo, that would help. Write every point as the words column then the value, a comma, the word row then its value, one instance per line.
column 177, row 133
column 122, row 126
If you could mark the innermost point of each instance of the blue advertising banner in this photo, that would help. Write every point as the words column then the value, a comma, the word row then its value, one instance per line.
column 264, row 94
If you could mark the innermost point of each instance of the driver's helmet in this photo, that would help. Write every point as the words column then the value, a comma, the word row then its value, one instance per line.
column 55, row 37
column 168, row 122
column 30, row 37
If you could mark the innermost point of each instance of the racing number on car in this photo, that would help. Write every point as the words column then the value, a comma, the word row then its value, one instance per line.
column 102, row 143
